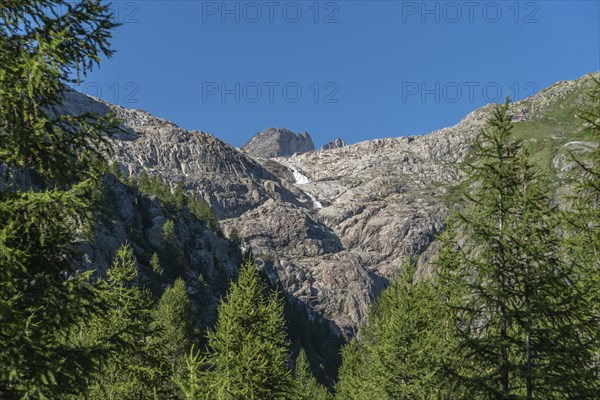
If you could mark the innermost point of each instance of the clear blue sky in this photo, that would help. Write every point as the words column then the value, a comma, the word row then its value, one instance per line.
column 353, row 69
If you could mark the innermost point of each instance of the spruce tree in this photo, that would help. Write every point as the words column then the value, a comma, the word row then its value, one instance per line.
column 518, row 313
column 248, row 346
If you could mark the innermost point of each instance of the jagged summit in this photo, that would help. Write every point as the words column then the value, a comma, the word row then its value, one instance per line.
column 278, row 142
column 334, row 227
column 335, row 144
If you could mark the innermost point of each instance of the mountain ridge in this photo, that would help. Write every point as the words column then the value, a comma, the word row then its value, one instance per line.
column 382, row 201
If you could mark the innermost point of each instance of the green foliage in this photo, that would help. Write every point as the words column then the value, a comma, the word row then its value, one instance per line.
column 39, row 52
column 175, row 321
column 234, row 236
column 42, row 297
column 248, row 356
column 514, row 302
column 177, row 198
column 155, row 265
column 115, row 169
column 192, row 380
column 400, row 351
column 175, row 333
column 305, row 384
column 583, row 221
column 201, row 209
column 172, row 252
column 135, row 369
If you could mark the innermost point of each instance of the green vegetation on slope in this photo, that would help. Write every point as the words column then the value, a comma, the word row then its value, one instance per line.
column 513, row 313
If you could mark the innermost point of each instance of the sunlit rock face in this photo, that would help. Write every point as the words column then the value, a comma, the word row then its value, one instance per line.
column 333, row 227
column 278, row 142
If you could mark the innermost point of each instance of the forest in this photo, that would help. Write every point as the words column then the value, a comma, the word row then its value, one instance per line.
column 511, row 311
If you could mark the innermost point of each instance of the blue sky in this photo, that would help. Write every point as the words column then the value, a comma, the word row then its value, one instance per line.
column 354, row 69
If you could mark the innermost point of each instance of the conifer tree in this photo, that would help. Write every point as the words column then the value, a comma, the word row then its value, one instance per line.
column 174, row 320
column 136, row 368
column 172, row 254
column 583, row 221
column 306, row 386
column 400, row 351
column 193, row 380
column 179, row 196
column 517, row 317
column 248, row 346
column 42, row 296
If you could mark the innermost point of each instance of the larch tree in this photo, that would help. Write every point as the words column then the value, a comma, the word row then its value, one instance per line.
column 518, row 311
column 136, row 368
column 248, row 347
column 49, row 164
column 306, row 386
column 399, row 352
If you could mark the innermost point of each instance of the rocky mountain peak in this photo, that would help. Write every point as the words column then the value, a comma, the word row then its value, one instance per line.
column 334, row 227
column 278, row 142
column 335, row 144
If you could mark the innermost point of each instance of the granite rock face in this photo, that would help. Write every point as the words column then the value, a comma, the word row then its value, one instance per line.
column 333, row 227
column 335, row 144
column 129, row 216
column 278, row 142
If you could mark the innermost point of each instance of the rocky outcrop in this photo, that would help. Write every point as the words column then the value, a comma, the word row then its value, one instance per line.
column 128, row 216
column 334, row 227
column 335, row 144
column 278, row 142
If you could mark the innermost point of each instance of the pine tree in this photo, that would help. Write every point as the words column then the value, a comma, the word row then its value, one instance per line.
column 43, row 297
column 179, row 196
column 144, row 182
column 248, row 346
column 517, row 315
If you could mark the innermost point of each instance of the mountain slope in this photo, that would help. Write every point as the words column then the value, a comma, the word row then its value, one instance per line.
column 276, row 142
column 334, row 226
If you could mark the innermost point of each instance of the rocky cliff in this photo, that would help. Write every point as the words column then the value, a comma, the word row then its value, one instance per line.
column 335, row 144
column 333, row 227
column 278, row 142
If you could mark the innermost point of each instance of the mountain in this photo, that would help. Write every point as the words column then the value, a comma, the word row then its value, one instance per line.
column 335, row 144
column 278, row 142
column 332, row 228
